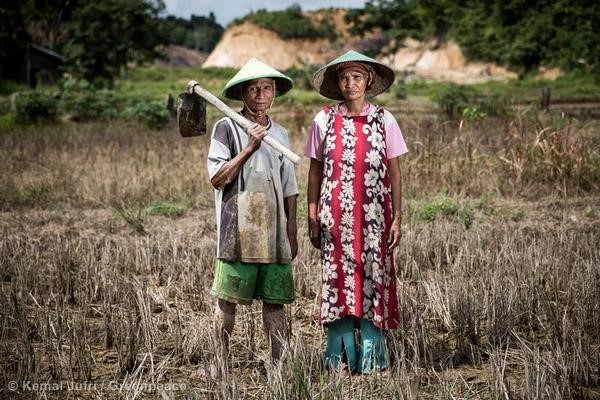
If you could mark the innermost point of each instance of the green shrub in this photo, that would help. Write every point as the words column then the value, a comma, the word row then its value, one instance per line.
column 151, row 113
column 83, row 102
column 453, row 99
column 461, row 101
column 34, row 105
column 90, row 104
column 495, row 105
column 472, row 113
column 302, row 77
column 399, row 91
column 9, row 87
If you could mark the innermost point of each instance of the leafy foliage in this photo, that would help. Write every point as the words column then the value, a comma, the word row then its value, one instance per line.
column 79, row 100
column 99, row 38
column 34, row 105
column 151, row 113
column 82, row 102
column 45, row 20
column 199, row 33
column 454, row 99
column 290, row 23
column 519, row 33
column 462, row 101
column 104, row 36
column 13, row 35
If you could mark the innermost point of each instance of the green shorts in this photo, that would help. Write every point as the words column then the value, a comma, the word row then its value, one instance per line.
column 240, row 282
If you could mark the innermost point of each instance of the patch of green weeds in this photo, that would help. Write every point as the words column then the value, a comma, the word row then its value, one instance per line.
column 33, row 195
column 7, row 121
column 440, row 205
column 171, row 209
column 466, row 216
column 487, row 204
column 446, row 207
column 590, row 212
column 518, row 215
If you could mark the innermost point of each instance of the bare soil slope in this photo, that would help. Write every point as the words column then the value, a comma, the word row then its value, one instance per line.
column 431, row 60
column 179, row 56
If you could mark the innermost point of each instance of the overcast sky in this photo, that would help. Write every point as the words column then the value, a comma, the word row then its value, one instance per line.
column 227, row 10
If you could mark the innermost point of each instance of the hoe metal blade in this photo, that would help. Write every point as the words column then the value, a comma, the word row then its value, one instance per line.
column 191, row 115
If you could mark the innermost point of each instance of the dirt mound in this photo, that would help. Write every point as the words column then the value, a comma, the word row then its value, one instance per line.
column 179, row 56
column 444, row 62
column 242, row 42
column 432, row 60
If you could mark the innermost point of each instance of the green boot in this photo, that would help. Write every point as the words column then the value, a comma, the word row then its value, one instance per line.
column 340, row 339
column 372, row 348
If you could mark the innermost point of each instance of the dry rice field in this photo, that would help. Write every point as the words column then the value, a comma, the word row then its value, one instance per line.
column 107, row 247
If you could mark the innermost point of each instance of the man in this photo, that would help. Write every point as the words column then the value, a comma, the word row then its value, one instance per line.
column 255, row 201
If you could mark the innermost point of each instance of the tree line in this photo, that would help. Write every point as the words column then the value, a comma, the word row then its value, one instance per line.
column 522, row 34
column 100, row 38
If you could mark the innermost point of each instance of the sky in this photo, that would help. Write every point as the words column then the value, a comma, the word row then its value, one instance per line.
column 227, row 10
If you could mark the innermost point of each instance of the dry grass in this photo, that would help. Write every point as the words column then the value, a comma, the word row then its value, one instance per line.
column 505, row 307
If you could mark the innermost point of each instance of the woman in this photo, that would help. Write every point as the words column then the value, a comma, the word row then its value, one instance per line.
column 354, row 209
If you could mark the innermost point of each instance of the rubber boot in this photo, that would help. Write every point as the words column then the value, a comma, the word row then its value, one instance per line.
column 340, row 339
column 372, row 354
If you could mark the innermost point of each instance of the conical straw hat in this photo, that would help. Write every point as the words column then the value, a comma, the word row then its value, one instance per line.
column 325, row 80
column 255, row 69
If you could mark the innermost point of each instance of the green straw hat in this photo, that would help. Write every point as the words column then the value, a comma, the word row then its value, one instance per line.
column 325, row 80
column 255, row 69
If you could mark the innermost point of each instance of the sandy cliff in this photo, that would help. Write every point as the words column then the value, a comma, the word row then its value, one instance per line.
column 444, row 62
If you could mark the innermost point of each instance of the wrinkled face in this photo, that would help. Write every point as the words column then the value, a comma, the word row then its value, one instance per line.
column 258, row 94
column 352, row 83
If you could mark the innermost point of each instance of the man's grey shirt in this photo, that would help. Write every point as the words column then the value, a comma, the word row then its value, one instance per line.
column 251, row 220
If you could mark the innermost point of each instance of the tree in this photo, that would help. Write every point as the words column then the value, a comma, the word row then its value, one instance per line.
column 104, row 36
column 199, row 33
column 522, row 34
column 45, row 20
column 13, row 32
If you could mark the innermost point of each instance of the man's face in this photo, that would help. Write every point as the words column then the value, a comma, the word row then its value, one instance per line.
column 258, row 94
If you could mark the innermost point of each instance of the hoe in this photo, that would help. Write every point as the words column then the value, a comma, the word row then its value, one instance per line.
column 191, row 116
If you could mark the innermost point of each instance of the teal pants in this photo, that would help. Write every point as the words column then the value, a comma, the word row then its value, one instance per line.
column 371, row 353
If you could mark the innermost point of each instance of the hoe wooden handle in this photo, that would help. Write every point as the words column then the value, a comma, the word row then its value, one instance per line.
column 194, row 87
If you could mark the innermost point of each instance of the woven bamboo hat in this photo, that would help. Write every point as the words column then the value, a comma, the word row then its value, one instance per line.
column 255, row 69
column 325, row 79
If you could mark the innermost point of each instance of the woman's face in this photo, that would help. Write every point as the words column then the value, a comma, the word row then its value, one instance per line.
column 258, row 94
column 352, row 83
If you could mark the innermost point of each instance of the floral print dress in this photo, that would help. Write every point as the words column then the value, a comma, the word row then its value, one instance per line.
column 355, row 211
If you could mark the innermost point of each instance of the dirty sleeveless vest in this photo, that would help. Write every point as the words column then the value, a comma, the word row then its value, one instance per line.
column 252, row 224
